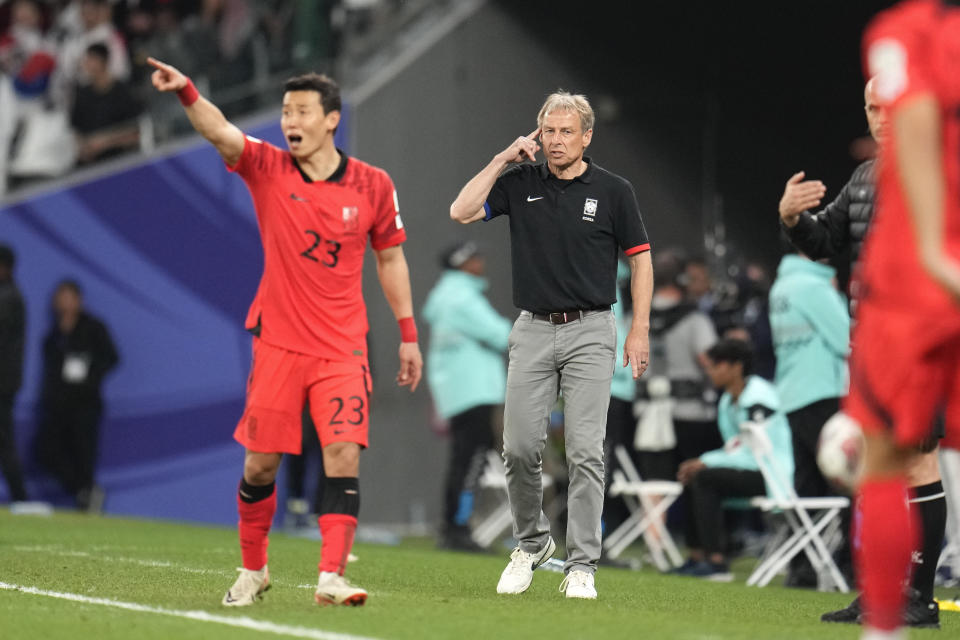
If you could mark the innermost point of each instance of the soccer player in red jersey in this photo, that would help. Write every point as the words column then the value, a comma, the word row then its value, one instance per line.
column 316, row 208
column 905, row 365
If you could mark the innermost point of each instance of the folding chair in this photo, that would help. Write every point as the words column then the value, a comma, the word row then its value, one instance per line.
column 646, row 515
column 500, row 519
column 808, row 532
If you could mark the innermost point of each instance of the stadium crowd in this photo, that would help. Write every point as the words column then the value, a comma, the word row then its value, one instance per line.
column 74, row 85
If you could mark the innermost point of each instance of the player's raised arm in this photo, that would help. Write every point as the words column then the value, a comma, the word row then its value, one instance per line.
column 468, row 207
column 205, row 116
column 394, row 278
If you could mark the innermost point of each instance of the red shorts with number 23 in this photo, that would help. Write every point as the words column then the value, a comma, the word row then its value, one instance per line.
column 279, row 384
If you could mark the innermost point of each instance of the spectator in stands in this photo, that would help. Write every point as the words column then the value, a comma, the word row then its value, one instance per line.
column 78, row 352
column 12, row 327
column 677, row 405
column 105, row 111
column 27, row 60
column 467, row 378
column 94, row 25
column 731, row 471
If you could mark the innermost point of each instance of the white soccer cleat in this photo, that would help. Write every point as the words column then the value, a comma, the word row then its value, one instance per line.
column 332, row 588
column 518, row 575
column 248, row 588
column 579, row 584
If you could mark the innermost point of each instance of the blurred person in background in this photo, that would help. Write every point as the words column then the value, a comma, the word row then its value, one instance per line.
column 621, row 423
column 731, row 471
column 904, row 365
column 78, row 353
column 676, row 403
column 83, row 23
column 841, row 226
column 12, row 329
column 27, row 61
column 104, row 112
column 467, row 377
column 811, row 336
column 698, row 285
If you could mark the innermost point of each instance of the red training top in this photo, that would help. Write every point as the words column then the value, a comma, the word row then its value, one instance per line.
column 314, row 236
column 913, row 49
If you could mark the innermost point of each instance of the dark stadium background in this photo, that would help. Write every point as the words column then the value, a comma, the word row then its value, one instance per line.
column 707, row 107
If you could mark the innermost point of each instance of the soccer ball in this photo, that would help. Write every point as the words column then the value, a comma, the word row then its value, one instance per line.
column 840, row 451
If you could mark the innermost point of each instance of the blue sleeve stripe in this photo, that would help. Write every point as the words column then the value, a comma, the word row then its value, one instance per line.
column 486, row 207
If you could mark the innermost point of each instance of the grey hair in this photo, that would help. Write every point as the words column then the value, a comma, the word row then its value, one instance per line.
column 566, row 101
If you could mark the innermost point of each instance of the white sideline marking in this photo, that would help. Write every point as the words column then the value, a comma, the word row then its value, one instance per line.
column 144, row 562
column 201, row 616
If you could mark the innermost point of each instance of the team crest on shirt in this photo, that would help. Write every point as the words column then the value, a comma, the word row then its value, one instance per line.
column 351, row 218
column 590, row 209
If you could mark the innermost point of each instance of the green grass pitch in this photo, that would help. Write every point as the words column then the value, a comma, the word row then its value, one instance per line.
column 416, row 592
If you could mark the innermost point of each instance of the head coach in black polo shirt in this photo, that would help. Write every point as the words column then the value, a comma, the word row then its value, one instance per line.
column 569, row 219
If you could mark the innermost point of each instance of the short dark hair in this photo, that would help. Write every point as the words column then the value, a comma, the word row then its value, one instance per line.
column 733, row 351
column 323, row 84
column 99, row 50
column 7, row 257
column 667, row 268
column 70, row 284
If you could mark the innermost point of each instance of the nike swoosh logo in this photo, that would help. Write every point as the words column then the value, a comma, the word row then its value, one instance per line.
column 294, row 196
column 532, row 199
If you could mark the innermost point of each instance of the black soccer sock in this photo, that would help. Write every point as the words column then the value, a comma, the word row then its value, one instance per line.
column 340, row 495
column 931, row 505
column 251, row 493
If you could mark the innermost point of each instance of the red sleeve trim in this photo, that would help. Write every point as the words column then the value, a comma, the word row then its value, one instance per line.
column 640, row 248
column 397, row 238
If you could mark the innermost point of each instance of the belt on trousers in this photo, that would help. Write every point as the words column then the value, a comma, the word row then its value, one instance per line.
column 563, row 317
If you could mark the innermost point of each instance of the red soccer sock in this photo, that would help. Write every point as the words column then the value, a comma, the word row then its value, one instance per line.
column 887, row 534
column 255, row 520
column 337, row 530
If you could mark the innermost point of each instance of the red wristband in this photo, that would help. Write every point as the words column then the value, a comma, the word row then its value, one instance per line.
column 408, row 329
column 189, row 94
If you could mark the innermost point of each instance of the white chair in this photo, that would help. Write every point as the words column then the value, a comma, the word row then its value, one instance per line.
column 646, row 513
column 810, row 520
column 494, row 478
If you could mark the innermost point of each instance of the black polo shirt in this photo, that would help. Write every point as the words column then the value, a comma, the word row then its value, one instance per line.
column 565, row 235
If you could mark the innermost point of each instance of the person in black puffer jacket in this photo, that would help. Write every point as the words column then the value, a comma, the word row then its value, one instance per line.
column 844, row 223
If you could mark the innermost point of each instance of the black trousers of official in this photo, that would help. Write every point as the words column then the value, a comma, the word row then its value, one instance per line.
column 471, row 436
column 705, row 494
column 621, row 425
column 805, row 426
column 9, row 459
column 68, row 441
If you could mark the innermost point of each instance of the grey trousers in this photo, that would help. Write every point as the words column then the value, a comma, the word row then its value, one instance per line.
column 578, row 359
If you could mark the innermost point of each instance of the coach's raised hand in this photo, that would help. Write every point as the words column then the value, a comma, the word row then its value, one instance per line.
column 799, row 195
column 523, row 148
column 165, row 77
column 468, row 207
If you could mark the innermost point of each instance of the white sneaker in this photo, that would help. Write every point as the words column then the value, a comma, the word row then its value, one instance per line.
column 579, row 584
column 332, row 588
column 248, row 588
column 518, row 575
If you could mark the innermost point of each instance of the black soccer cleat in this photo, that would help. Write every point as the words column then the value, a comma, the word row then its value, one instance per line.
column 918, row 614
column 848, row 615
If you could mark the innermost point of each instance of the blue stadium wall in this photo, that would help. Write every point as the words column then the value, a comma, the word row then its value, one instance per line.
column 168, row 255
